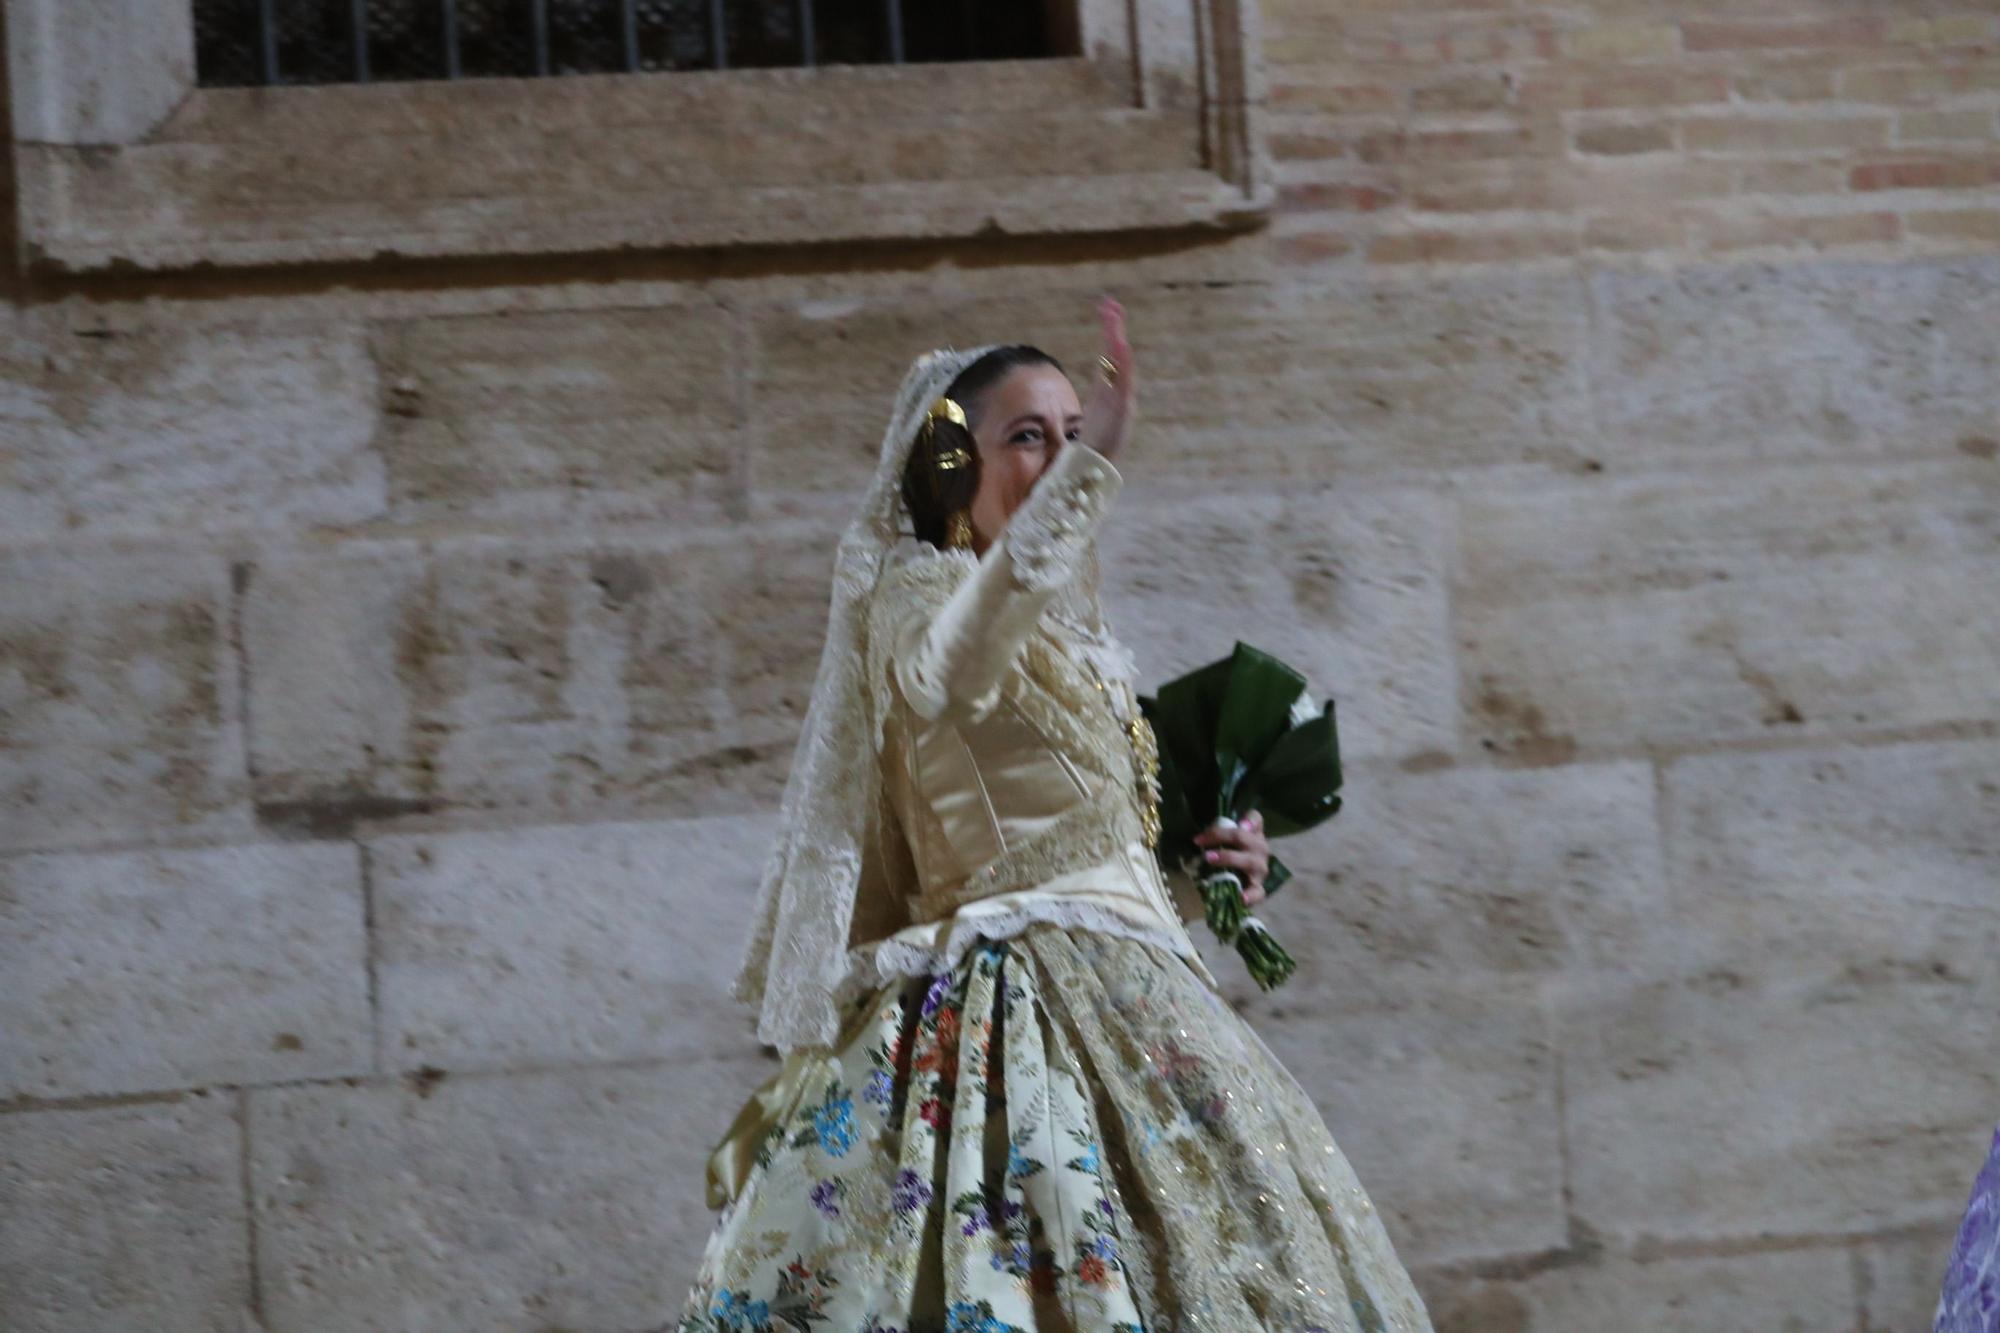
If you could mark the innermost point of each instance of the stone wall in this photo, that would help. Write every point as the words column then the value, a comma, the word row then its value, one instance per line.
column 399, row 664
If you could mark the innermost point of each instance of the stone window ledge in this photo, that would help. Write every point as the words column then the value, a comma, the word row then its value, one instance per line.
column 162, row 177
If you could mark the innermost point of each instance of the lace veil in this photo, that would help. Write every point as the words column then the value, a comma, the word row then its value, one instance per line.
column 797, row 967
column 796, row 964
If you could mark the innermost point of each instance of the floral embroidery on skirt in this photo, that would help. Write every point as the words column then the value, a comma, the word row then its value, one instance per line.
column 1067, row 1130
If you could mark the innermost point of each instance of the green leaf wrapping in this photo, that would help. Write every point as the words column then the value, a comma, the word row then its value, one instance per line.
column 1253, row 713
column 1296, row 784
column 1188, row 710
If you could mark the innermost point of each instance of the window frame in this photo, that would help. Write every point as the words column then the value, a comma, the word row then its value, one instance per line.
column 123, row 162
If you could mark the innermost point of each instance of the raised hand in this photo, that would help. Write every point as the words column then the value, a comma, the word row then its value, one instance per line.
column 1107, row 417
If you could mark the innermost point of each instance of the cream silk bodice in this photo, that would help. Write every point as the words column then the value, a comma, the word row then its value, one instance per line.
column 1009, row 784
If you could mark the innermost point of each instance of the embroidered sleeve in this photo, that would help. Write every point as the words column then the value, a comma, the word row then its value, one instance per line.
column 1046, row 536
column 954, row 661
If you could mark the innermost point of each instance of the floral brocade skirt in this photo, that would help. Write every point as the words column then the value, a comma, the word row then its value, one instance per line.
column 1068, row 1130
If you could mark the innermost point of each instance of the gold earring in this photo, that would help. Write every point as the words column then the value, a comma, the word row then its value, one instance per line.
column 958, row 532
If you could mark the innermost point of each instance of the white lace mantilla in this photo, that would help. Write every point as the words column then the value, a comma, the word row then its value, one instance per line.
column 806, row 902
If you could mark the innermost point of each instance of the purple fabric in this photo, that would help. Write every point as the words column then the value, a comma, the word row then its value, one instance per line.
column 1970, row 1302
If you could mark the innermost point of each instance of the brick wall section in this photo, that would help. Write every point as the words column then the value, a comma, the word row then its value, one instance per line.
column 1488, row 132
column 397, row 677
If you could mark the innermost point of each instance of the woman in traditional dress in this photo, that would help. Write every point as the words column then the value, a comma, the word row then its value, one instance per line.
column 1970, row 1300
column 1012, row 1097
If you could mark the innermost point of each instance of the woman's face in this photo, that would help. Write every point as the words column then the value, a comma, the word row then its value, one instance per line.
column 1018, row 426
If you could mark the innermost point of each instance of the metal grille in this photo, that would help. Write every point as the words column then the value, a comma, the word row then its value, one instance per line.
column 254, row 42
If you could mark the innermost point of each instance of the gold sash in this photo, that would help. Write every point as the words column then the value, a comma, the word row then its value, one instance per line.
column 774, row 1102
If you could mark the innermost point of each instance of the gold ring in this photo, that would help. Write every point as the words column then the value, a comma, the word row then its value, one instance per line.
column 1109, row 369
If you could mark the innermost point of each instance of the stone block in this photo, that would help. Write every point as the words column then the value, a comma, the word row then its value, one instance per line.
column 1783, row 1065
column 1938, row 171
column 124, row 1219
column 1943, row 127
column 1348, row 586
column 1720, row 232
column 1475, row 245
column 1678, row 610
column 106, row 429
column 325, row 638
column 1966, row 349
column 1958, row 226
column 1782, row 1291
column 761, row 611
column 1624, row 41
column 134, row 971
column 565, row 944
column 1375, row 374
column 1463, row 94
column 568, row 1199
column 1620, row 140
column 1865, row 31
column 1784, row 135
column 549, row 677
column 119, row 707
column 1802, row 360
column 1874, row 825
column 561, row 415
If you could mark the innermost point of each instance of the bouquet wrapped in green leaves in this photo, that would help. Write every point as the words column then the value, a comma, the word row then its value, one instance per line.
column 1241, row 734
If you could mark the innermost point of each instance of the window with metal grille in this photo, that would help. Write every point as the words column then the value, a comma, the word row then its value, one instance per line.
column 260, row 42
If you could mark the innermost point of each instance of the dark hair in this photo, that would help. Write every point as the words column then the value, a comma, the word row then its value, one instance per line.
column 932, row 494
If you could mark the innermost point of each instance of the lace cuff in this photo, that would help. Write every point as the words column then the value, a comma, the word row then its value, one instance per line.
column 1047, row 535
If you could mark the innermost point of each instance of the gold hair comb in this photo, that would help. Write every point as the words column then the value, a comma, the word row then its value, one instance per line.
column 956, row 456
